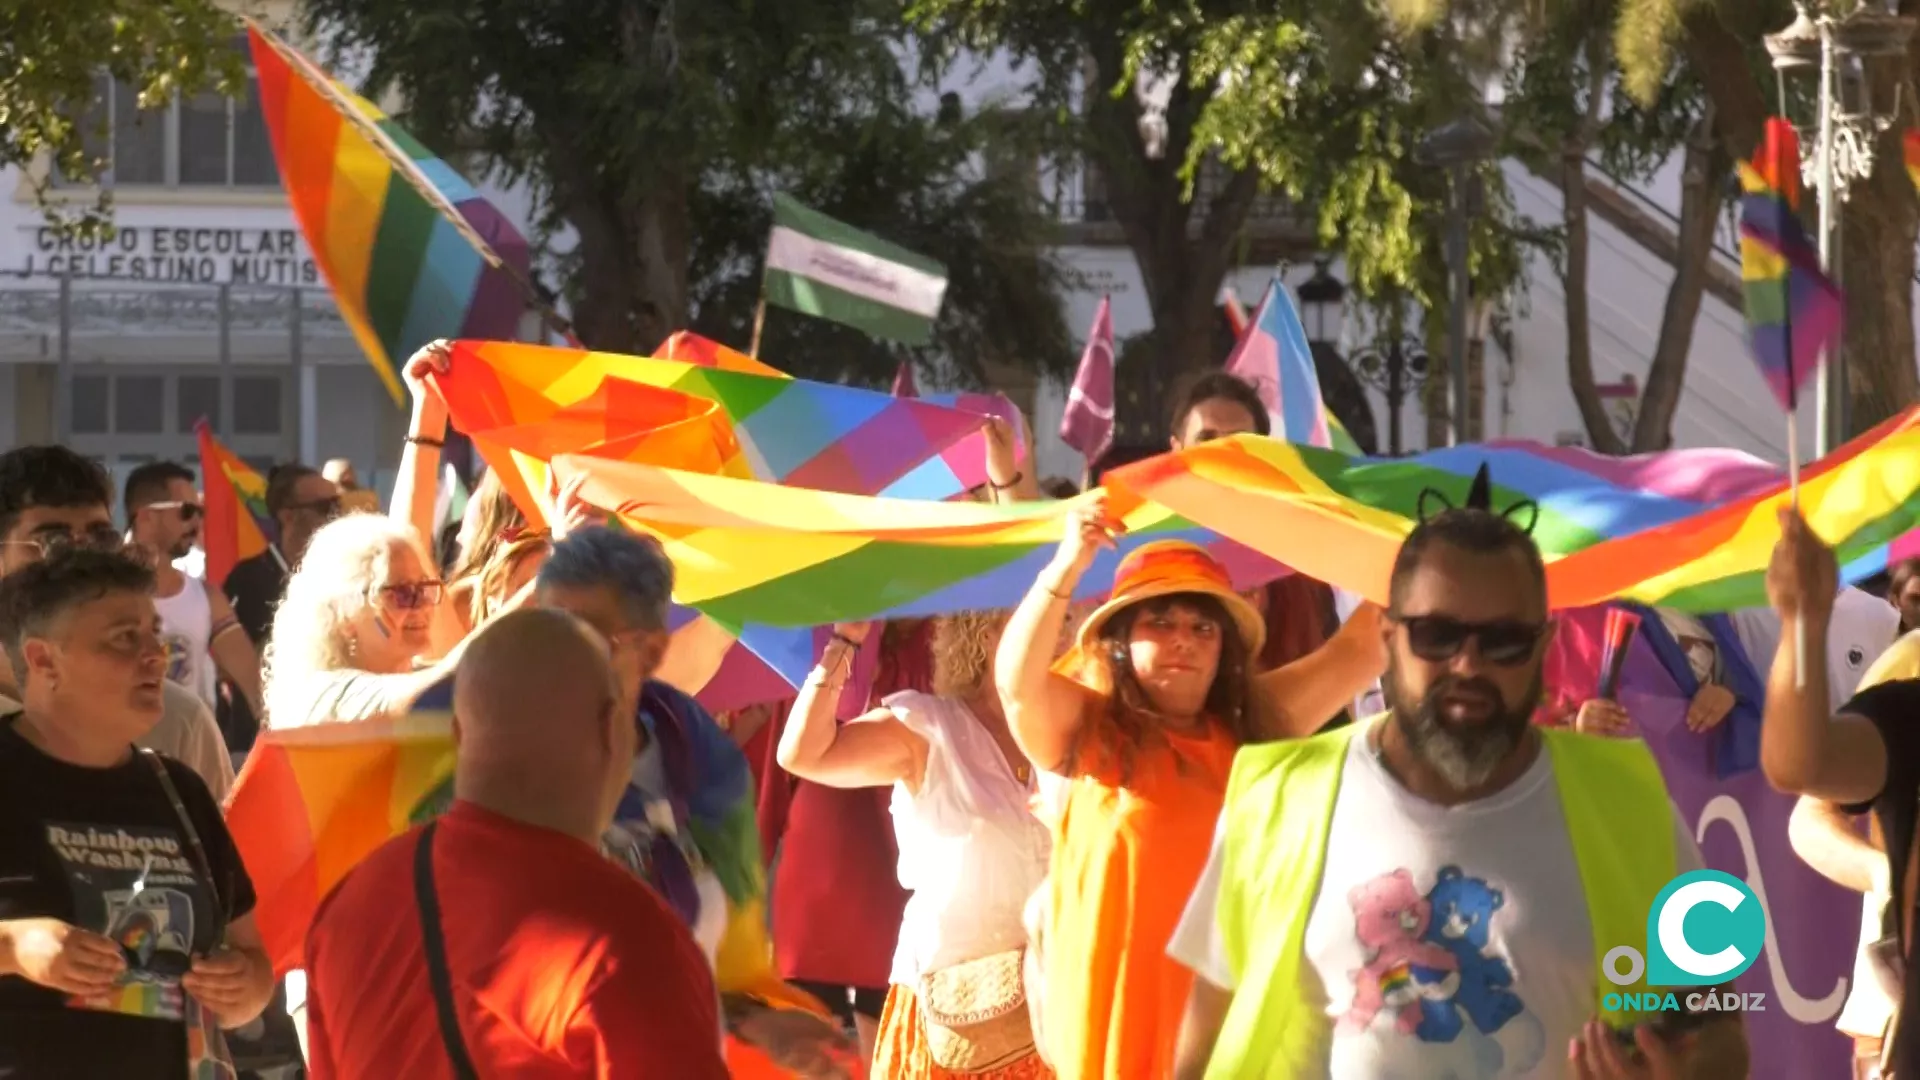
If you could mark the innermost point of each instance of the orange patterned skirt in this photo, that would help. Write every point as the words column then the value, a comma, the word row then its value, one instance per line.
column 900, row 1048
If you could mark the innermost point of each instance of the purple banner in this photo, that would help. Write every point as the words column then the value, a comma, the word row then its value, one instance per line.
column 1741, row 824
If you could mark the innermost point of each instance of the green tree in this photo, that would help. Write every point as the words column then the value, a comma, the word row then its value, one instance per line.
column 658, row 132
column 1084, row 57
column 1718, row 39
column 52, row 50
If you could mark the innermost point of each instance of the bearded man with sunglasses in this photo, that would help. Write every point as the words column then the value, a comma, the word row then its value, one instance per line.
column 52, row 498
column 204, row 637
column 1430, row 892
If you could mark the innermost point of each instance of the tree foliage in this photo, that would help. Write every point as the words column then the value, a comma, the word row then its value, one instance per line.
column 52, row 50
column 657, row 132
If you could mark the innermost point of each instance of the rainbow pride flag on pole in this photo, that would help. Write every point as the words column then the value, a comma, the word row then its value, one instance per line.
column 237, row 525
column 409, row 248
column 1794, row 310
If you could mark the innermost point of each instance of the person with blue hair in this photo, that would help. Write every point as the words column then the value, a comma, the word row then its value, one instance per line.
column 686, row 823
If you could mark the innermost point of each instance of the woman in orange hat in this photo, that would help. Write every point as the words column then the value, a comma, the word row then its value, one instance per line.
column 1143, row 717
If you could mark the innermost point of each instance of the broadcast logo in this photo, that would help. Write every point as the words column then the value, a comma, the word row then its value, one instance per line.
column 1705, row 929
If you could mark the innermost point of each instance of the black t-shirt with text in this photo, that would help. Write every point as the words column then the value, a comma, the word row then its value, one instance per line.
column 102, row 849
column 1894, row 708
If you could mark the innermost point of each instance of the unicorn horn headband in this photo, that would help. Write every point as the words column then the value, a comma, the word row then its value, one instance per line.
column 1479, row 497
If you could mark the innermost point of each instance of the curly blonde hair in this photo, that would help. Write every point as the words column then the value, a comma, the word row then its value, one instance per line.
column 963, row 647
column 333, row 583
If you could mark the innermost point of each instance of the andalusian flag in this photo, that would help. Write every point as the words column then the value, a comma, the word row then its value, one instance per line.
column 820, row 267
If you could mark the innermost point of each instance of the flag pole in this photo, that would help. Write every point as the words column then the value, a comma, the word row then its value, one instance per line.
column 759, row 323
column 404, row 164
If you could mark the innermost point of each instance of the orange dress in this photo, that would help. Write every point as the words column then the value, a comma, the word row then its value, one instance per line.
column 1125, row 858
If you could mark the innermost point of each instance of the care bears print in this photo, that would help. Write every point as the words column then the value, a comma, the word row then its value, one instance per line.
column 1452, row 943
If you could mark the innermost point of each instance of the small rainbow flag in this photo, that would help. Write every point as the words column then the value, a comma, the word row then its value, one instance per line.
column 237, row 524
column 411, row 251
column 1793, row 308
column 1911, row 148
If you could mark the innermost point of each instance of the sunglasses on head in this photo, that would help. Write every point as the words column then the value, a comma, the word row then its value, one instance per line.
column 413, row 595
column 189, row 511
column 1439, row 638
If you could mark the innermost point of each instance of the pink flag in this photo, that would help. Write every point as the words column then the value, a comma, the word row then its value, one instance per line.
column 1087, row 425
column 903, row 381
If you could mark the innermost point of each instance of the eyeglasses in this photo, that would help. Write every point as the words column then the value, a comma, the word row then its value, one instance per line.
column 99, row 538
column 1439, row 638
column 413, row 595
column 188, row 510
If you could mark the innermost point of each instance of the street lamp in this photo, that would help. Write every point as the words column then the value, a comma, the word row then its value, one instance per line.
column 1323, row 305
column 1397, row 366
column 1848, row 54
column 1459, row 148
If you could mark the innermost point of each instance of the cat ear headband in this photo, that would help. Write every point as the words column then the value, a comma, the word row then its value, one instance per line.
column 1479, row 497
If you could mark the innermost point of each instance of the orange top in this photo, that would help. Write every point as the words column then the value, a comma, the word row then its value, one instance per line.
column 1125, row 858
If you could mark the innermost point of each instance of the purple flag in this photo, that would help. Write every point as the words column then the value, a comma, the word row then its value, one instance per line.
column 1741, row 825
column 1087, row 425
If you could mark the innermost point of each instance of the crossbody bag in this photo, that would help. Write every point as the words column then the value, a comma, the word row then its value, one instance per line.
column 438, row 975
column 208, row 1056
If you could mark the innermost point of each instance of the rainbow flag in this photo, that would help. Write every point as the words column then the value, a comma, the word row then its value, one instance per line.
column 409, row 248
column 1686, row 529
column 1910, row 150
column 311, row 802
column 1793, row 309
column 237, row 525
column 523, row 404
column 961, row 467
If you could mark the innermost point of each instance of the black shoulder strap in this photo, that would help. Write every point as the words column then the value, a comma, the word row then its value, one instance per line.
column 437, row 973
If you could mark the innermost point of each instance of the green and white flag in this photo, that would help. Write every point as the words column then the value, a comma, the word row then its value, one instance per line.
column 820, row 267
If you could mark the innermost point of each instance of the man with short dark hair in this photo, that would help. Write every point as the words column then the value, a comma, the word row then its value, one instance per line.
column 52, row 498
column 300, row 500
column 1431, row 892
column 204, row 638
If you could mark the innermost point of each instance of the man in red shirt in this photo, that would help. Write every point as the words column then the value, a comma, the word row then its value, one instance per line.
column 555, row 961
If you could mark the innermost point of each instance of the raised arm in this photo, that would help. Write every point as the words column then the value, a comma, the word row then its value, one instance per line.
column 416, row 488
column 1803, row 752
column 1009, row 482
column 1298, row 699
column 871, row 751
column 1044, row 709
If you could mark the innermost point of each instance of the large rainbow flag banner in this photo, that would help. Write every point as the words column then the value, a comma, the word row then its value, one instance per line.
column 524, row 404
column 237, row 525
column 409, row 248
column 749, row 552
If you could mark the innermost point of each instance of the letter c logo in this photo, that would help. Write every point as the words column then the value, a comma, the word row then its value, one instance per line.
column 1705, row 908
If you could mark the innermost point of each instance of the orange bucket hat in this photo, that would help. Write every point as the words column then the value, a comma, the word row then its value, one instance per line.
column 1165, row 568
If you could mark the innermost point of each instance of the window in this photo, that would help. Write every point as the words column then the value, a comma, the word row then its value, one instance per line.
column 206, row 140
column 198, row 397
column 90, row 404
column 256, row 405
column 138, row 405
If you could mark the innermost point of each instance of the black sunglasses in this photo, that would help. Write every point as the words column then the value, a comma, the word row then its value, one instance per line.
column 189, row 511
column 1439, row 638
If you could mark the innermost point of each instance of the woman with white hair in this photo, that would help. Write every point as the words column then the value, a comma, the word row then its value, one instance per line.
column 356, row 623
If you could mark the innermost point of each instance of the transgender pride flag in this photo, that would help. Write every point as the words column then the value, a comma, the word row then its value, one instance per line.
column 1273, row 356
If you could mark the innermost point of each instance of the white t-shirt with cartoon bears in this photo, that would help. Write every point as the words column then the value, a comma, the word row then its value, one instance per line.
column 1451, row 943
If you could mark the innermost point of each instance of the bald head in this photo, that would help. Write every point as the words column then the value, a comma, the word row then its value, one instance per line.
column 536, row 714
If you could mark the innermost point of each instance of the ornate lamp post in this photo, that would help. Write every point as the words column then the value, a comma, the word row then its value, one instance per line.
column 1459, row 148
column 1849, row 54
column 1397, row 366
column 1323, row 305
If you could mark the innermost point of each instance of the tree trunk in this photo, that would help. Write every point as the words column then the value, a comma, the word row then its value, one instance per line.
column 1573, row 215
column 1877, row 266
column 1702, row 184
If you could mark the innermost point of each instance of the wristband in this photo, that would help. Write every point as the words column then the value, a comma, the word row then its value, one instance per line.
column 845, row 640
column 1009, row 485
column 423, row 440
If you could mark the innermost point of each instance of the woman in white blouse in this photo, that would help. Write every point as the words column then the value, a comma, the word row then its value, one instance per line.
column 971, row 850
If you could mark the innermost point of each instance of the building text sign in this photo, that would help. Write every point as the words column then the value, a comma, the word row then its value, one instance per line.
column 196, row 255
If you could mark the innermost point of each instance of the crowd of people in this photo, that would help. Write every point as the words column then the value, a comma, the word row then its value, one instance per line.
column 1157, row 836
